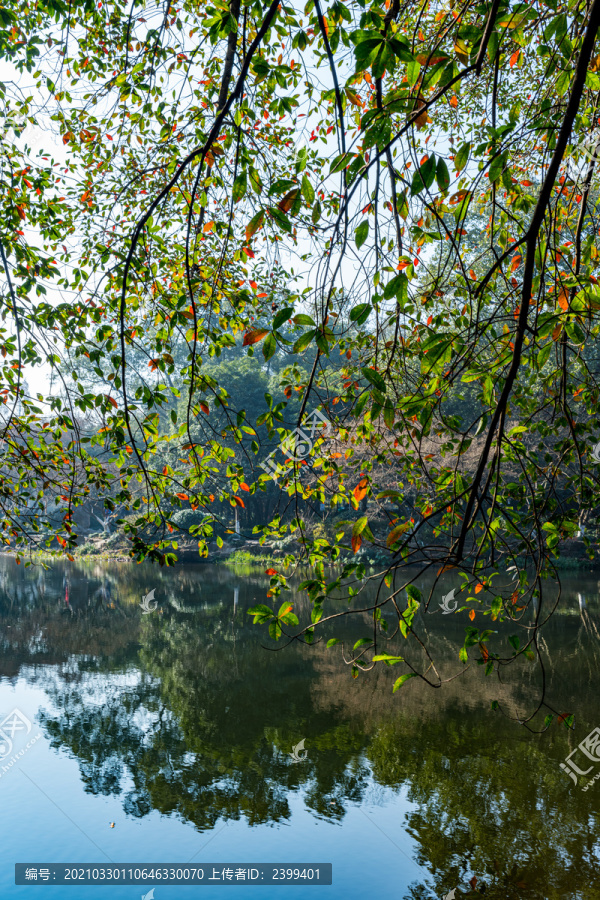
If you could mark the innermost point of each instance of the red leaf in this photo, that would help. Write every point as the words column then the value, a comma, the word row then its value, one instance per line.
column 182, row 496
column 238, row 501
column 204, row 408
column 270, row 571
column 356, row 542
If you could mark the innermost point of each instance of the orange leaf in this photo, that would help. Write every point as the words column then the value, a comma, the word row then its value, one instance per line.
column 244, row 486
column 112, row 401
column 239, row 501
column 557, row 332
column 208, row 227
column 514, row 58
column 360, row 491
column 472, row 615
column 182, row 496
column 516, row 262
column 563, row 299
column 356, row 542
column 270, row 571
column 478, row 588
column 204, row 408
column 252, row 337
column 454, row 101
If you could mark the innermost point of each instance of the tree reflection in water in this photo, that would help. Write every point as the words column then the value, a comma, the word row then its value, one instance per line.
column 185, row 713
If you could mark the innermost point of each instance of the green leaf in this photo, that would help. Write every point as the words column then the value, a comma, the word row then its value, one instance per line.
column 281, row 218
column 341, row 162
column 261, row 613
column 304, row 340
column 375, row 379
column 359, row 526
column 402, row 51
column 462, row 655
column 442, row 175
column 332, row 641
column 307, row 190
column 514, row 641
column 366, row 52
column 361, row 233
column 389, row 414
column 497, row 166
column 269, row 346
column 362, row 642
column 461, row 158
column 282, row 316
column 360, row 313
column 316, row 213
column 239, row 187
column 303, row 319
column 427, row 170
column 403, row 678
column 397, row 286
column 386, row 658
column 322, row 342
column 413, row 70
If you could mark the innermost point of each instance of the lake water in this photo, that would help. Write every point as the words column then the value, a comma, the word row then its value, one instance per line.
column 167, row 738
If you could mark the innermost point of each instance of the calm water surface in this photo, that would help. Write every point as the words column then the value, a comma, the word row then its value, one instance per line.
column 177, row 726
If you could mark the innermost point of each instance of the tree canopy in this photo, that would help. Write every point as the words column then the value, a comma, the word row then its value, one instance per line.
column 392, row 210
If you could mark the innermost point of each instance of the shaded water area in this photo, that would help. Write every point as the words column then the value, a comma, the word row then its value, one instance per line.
column 178, row 727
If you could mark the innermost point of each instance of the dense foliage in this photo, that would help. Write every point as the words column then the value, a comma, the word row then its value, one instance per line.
column 391, row 210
